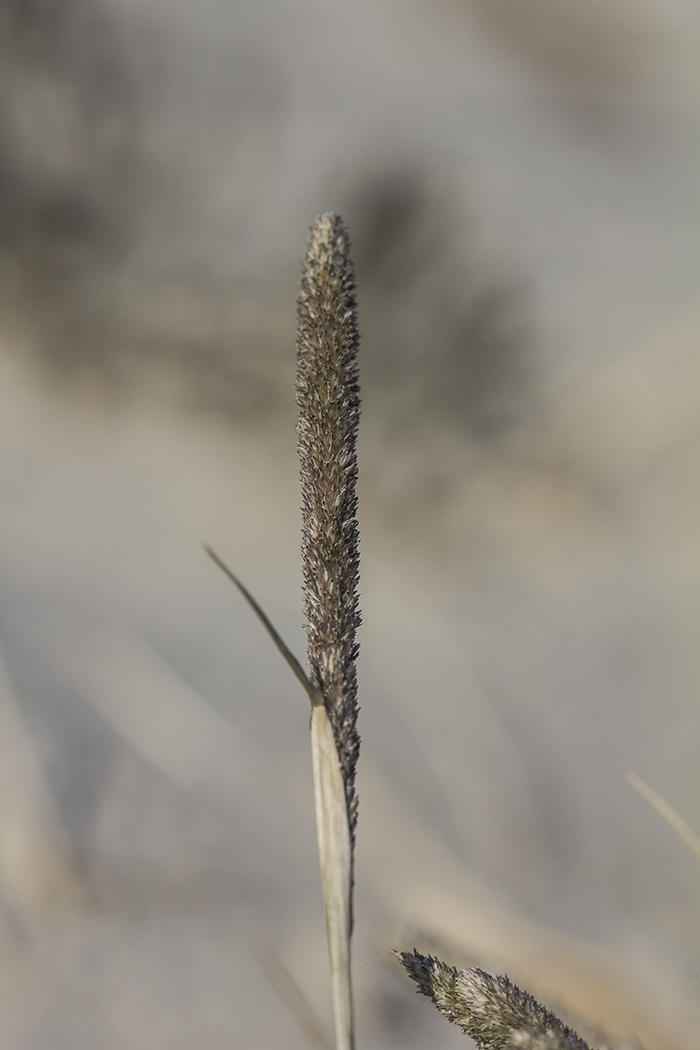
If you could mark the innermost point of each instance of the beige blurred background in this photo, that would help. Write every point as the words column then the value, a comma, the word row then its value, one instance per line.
column 520, row 181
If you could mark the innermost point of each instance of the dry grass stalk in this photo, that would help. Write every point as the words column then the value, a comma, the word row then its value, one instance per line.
column 329, row 411
column 496, row 1014
column 335, row 855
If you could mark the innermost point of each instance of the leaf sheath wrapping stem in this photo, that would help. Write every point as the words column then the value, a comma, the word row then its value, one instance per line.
column 334, row 849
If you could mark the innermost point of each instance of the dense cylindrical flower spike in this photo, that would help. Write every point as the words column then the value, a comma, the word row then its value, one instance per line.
column 329, row 411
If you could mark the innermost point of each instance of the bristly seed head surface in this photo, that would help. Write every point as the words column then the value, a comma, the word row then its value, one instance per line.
column 495, row 1013
column 327, row 393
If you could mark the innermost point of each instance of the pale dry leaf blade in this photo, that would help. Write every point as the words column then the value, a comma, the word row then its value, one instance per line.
column 335, row 854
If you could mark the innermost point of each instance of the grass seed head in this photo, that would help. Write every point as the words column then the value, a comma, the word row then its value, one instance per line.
column 496, row 1014
column 329, row 411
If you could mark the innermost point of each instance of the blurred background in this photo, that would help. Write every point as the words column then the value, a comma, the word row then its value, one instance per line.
column 520, row 182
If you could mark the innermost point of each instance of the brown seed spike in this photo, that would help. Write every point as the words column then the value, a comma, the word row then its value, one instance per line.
column 329, row 411
column 496, row 1014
